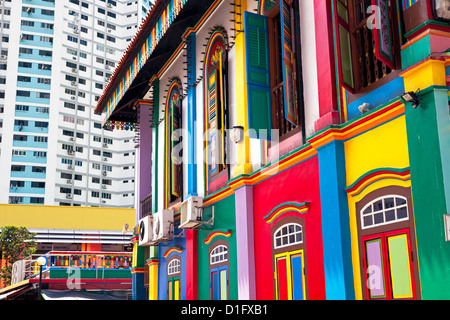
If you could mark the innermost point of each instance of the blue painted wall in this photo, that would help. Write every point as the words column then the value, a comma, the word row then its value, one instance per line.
column 335, row 223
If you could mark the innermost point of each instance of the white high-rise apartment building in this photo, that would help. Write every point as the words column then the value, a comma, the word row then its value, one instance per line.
column 56, row 59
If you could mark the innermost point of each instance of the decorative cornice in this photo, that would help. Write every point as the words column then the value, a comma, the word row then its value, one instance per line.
column 298, row 208
column 172, row 250
column 213, row 235
column 152, row 262
column 137, row 270
column 376, row 175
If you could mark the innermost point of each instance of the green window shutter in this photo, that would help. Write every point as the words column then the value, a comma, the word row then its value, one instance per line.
column 344, row 45
column 258, row 74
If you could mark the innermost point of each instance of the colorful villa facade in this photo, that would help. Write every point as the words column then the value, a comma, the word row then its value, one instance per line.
column 279, row 157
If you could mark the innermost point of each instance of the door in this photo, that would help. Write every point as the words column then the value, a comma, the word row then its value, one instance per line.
column 290, row 276
column 173, row 289
column 219, row 283
column 388, row 265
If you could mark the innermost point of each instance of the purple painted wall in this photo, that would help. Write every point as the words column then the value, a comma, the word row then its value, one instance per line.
column 144, row 161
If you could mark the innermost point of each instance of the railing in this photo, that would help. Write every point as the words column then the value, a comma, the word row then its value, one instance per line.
column 89, row 260
column 146, row 206
column 369, row 68
column 81, row 260
column 280, row 121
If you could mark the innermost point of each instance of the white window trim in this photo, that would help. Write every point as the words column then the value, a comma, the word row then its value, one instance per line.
column 395, row 207
column 276, row 236
column 215, row 253
column 174, row 267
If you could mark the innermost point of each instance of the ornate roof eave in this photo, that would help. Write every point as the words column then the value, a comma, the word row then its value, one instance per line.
column 125, row 87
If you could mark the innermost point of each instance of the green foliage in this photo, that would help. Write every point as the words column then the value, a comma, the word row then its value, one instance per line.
column 16, row 243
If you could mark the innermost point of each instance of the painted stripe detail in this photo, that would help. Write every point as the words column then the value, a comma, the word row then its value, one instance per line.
column 172, row 250
column 300, row 208
column 216, row 234
column 376, row 175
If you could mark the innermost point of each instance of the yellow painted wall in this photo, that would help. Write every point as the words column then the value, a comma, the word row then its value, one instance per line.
column 385, row 146
column 72, row 218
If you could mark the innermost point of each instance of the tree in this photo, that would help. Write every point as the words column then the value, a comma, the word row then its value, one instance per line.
column 16, row 243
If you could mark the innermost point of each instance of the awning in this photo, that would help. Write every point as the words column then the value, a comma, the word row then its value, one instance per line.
column 78, row 295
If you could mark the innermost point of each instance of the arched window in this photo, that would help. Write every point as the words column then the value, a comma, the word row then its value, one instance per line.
column 219, row 254
column 174, row 267
column 215, row 75
column 288, row 235
column 173, row 139
column 384, row 210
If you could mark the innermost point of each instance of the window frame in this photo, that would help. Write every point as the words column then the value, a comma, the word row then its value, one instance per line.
column 359, row 87
column 219, row 266
column 216, row 42
column 175, row 87
column 276, row 73
column 364, row 234
column 289, row 250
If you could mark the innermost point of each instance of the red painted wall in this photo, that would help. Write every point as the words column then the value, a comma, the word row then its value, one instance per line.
column 328, row 106
column 299, row 184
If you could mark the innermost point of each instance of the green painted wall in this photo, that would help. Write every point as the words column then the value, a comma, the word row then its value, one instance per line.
column 224, row 215
column 93, row 274
column 416, row 52
column 426, row 126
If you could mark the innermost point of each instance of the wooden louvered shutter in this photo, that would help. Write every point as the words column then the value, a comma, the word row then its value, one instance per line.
column 258, row 74
column 289, row 63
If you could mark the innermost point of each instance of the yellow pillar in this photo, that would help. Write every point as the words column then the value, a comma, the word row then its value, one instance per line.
column 153, row 266
column 244, row 165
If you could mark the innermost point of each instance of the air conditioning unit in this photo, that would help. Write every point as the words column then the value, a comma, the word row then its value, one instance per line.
column 104, row 173
column 70, row 167
column 105, row 145
column 191, row 213
column 163, row 226
column 69, row 181
column 68, row 196
column 71, row 139
column 146, row 231
column 73, row 83
column 75, row 31
column 74, row 70
column 104, row 186
column 3, row 57
column 70, row 152
column 107, row 67
column 73, row 98
column 109, row 5
column 105, row 159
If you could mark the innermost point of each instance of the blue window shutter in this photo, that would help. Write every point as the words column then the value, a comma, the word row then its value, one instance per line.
column 258, row 74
